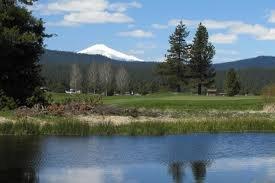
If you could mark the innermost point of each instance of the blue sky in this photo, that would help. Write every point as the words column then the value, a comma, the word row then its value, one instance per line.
column 238, row 29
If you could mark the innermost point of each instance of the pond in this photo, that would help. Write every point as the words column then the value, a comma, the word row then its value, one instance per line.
column 194, row 158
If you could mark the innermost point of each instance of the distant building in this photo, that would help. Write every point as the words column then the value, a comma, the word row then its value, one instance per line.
column 73, row 91
column 212, row 92
column 45, row 89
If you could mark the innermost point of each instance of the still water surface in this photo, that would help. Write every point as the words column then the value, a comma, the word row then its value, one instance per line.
column 194, row 158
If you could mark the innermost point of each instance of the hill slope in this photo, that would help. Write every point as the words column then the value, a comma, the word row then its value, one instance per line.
column 257, row 62
column 70, row 57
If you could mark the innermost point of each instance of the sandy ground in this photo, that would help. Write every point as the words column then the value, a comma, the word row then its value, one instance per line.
column 2, row 119
column 269, row 108
column 119, row 120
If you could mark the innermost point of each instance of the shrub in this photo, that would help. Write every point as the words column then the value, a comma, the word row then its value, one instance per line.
column 6, row 102
column 39, row 97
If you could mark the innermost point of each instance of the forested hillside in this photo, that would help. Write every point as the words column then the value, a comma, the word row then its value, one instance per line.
column 254, row 73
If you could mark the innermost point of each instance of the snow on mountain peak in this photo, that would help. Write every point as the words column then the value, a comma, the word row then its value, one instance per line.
column 101, row 49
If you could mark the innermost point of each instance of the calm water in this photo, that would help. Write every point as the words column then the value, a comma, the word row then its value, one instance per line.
column 176, row 159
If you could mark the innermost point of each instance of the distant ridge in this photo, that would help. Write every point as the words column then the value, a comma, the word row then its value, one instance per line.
column 51, row 56
column 257, row 62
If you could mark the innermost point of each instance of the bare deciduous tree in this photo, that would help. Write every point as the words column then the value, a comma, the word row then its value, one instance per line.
column 93, row 76
column 105, row 76
column 76, row 77
column 122, row 80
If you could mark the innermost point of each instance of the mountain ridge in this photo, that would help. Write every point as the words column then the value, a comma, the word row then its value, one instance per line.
column 52, row 56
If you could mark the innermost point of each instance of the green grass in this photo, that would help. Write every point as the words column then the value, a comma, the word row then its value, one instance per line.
column 180, row 102
column 71, row 127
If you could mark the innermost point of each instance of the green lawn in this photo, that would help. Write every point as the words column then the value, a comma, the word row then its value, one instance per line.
column 178, row 101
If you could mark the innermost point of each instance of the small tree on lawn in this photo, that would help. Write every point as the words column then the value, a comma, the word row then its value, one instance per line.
column 175, row 69
column 201, row 55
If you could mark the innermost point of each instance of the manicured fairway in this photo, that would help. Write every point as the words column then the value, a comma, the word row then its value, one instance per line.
column 175, row 101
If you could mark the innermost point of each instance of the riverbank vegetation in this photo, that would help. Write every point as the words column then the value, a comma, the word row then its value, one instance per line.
column 71, row 127
column 158, row 114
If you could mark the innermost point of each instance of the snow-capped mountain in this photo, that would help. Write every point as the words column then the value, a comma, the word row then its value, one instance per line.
column 101, row 49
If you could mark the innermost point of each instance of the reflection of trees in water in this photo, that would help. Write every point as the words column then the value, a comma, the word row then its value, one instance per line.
column 19, row 175
column 17, row 157
column 199, row 170
column 176, row 169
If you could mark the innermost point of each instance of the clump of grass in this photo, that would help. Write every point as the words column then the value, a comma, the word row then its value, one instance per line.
column 65, row 127
column 104, row 129
column 21, row 127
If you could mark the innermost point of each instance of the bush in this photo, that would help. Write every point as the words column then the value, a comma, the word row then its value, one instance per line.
column 39, row 97
column 6, row 103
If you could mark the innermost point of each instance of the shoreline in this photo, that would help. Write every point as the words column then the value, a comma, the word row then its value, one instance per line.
column 73, row 127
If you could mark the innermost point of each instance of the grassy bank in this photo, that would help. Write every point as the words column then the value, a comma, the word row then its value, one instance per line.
column 158, row 114
column 71, row 127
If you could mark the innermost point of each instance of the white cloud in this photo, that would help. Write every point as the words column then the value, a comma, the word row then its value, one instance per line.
column 87, row 11
column 122, row 7
column 136, row 52
column 159, row 26
column 146, row 45
column 138, row 33
column 232, row 28
column 97, row 17
column 223, row 38
column 227, row 52
column 210, row 24
column 175, row 22
column 271, row 17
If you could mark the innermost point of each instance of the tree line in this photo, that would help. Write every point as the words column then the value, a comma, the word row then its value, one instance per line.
column 100, row 78
column 187, row 68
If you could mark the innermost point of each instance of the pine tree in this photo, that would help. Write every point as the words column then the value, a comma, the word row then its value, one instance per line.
column 21, row 44
column 232, row 83
column 201, row 55
column 174, row 69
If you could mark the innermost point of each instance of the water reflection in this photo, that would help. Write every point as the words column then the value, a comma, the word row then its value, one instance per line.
column 177, row 159
column 199, row 170
column 176, row 170
column 19, row 175
column 18, row 157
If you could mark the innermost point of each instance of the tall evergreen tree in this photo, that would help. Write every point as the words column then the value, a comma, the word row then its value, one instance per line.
column 174, row 69
column 232, row 83
column 21, row 44
column 201, row 55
